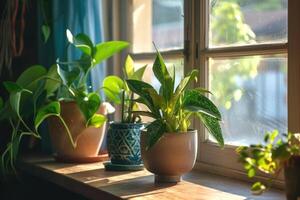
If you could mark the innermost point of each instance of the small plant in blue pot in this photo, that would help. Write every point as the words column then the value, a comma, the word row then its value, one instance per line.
column 123, row 137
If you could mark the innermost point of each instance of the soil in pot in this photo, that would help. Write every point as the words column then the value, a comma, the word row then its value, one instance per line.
column 292, row 178
column 88, row 139
column 171, row 157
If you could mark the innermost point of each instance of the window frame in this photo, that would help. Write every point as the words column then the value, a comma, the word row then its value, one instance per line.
column 210, row 157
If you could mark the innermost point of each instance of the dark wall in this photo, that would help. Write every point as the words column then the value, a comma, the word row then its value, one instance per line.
column 28, row 57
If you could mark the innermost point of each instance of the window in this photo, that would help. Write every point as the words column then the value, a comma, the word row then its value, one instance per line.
column 241, row 49
column 243, row 56
column 160, row 23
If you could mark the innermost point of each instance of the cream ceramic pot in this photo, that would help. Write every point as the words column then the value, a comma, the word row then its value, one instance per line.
column 88, row 139
column 172, row 156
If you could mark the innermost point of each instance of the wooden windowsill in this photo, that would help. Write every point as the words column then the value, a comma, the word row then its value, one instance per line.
column 93, row 182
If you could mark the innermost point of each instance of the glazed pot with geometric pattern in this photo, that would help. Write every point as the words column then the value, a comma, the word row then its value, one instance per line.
column 123, row 143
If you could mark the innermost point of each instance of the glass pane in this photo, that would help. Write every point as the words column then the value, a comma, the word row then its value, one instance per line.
column 241, row 22
column 251, row 93
column 157, row 21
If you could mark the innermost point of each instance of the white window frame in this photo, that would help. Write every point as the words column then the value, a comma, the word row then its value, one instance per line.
column 196, row 52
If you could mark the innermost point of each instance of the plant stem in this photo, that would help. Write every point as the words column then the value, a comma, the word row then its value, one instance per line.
column 130, row 108
column 25, row 125
column 68, row 131
column 123, row 106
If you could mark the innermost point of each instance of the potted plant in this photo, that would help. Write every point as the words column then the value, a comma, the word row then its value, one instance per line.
column 169, row 146
column 82, row 116
column 28, row 94
column 270, row 158
column 123, row 137
column 76, row 115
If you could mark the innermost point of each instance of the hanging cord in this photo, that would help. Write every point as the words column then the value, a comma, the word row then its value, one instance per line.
column 8, row 29
column 17, row 52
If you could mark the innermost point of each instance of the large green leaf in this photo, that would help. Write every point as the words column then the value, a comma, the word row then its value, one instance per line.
column 213, row 126
column 129, row 67
column 96, row 120
column 130, row 72
column 194, row 101
column 53, row 80
column 108, row 49
column 28, row 78
column 112, row 87
column 12, row 86
column 81, row 41
column 52, row 109
column 184, row 83
column 156, row 98
column 155, row 131
column 46, row 32
column 88, row 104
column 68, row 76
column 141, row 89
column 161, row 73
column 138, row 74
column 15, row 91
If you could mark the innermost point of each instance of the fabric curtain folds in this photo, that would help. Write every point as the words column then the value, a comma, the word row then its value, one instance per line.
column 80, row 16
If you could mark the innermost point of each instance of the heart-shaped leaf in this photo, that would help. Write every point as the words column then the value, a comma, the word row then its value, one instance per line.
column 81, row 41
column 68, row 76
column 258, row 188
column 108, row 49
column 84, row 43
column 53, row 80
column 15, row 91
column 96, row 120
column 88, row 104
column 46, row 32
column 52, row 109
column 28, row 79
column 112, row 87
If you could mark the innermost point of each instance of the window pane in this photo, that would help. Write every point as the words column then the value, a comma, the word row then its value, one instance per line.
column 251, row 93
column 241, row 22
column 157, row 21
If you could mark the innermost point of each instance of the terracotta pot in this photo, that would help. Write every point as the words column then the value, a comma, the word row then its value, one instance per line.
column 123, row 143
column 88, row 140
column 292, row 178
column 172, row 156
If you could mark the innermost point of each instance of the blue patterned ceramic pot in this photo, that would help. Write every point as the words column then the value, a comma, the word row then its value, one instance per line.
column 123, row 143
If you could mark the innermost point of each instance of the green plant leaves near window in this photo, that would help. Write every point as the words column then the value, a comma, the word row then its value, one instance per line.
column 172, row 108
column 268, row 157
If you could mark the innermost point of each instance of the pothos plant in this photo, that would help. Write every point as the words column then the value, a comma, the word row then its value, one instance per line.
column 117, row 90
column 37, row 93
column 172, row 107
column 268, row 157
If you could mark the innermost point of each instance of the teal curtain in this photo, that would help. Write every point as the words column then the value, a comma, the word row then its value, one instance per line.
column 80, row 16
